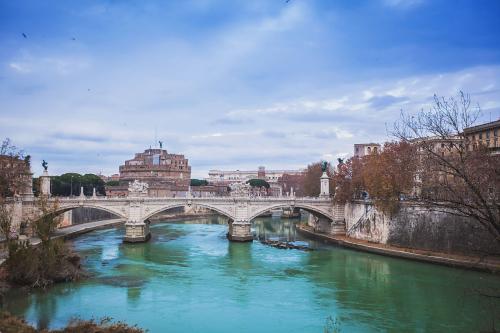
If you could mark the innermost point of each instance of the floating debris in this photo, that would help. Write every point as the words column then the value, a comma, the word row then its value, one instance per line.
column 284, row 245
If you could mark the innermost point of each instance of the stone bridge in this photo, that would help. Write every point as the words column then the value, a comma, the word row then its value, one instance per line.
column 136, row 210
column 137, row 207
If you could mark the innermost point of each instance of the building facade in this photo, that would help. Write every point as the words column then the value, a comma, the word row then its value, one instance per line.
column 241, row 176
column 486, row 135
column 167, row 175
column 364, row 149
column 16, row 176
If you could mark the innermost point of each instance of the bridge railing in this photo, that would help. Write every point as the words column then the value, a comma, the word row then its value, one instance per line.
column 221, row 198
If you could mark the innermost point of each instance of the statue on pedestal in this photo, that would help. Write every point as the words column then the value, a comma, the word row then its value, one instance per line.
column 138, row 188
column 324, row 166
column 45, row 165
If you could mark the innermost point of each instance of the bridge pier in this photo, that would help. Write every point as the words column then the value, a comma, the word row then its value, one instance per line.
column 240, row 231
column 136, row 232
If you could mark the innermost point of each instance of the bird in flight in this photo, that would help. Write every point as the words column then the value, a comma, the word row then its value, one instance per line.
column 24, row 35
column 73, row 38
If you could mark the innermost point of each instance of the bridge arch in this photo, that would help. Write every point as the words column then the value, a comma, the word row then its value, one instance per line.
column 311, row 209
column 173, row 206
column 64, row 208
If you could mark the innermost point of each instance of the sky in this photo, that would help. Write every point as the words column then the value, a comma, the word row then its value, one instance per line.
column 233, row 84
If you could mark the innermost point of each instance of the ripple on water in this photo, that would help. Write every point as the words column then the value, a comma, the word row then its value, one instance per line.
column 189, row 278
column 123, row 281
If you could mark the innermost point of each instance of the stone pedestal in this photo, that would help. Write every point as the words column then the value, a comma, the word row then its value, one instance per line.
column 27, row 188
column 45, row 183
column 325, row 185
column 137, row 232
column 240, row 232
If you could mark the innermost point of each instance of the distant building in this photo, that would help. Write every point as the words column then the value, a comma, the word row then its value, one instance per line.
column 295, row 183
column 17, row 173
column 273, row 177
column 113, row 177
column 486, row 135
column 213, row 190
column 237, row 176
column 166, row 174
column 363, row 149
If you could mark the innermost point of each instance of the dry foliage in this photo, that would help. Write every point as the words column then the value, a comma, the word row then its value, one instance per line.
column 49, row 262
column 14, row 173
column 348, row 180
column 389, row 176
column 453, row 176
column 14, row 169
column 13, row 324
column 432, row 163
column 311, row 180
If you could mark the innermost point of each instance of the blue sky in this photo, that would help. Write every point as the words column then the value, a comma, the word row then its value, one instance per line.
column 233, row 84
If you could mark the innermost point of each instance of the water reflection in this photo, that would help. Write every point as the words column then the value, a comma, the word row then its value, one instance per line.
column 133, row 296
column 190, row 277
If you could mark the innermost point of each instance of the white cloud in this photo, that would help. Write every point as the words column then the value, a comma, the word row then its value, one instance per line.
column 20, row 67
column 402, row 3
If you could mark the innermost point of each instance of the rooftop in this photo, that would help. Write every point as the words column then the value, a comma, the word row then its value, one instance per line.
column 482, row 127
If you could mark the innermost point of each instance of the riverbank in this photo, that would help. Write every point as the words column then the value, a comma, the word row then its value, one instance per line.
column 487, row 264
column 79, row 229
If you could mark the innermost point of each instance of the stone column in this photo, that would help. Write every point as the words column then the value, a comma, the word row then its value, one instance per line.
column 136, row 229
column 137, row 232
column 239, row 231
column 45, row 183
column 67, row 219
column 27, row 189
column 325, row 185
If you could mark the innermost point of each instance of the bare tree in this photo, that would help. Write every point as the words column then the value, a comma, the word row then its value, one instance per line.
column 452, row 176
column 14, row 168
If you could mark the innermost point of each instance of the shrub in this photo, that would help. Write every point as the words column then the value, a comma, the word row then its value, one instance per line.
column 258, row 183
column 13, row 324
column 198, row 182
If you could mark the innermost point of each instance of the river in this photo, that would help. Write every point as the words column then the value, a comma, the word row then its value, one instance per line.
column 190, row 278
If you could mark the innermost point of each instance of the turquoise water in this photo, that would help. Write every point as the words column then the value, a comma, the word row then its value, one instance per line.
column 189, row 278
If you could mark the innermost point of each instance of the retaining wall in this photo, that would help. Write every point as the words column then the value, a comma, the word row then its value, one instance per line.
column 418, row 228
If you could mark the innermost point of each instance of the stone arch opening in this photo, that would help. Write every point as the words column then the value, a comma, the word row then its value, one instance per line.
column 25, row 227
column 311, row 210
column 171, row 207
column 85, row 214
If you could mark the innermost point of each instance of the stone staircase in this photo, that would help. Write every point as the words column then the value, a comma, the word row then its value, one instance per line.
column 338, row 229
column 338, row 225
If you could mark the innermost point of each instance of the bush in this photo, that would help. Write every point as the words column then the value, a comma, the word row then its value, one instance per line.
column 258, row 183
column 50, row 261
column 13, row 324
column 113, row 183
column 62, row 185
column 198, row 182
column 42, row 265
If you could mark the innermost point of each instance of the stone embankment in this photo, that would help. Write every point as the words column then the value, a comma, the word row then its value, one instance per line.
column 488, row 264
column 79, row 229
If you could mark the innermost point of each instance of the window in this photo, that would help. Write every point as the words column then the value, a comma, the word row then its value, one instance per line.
column 480, row 136
column 495, row 132
column 487, row 134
